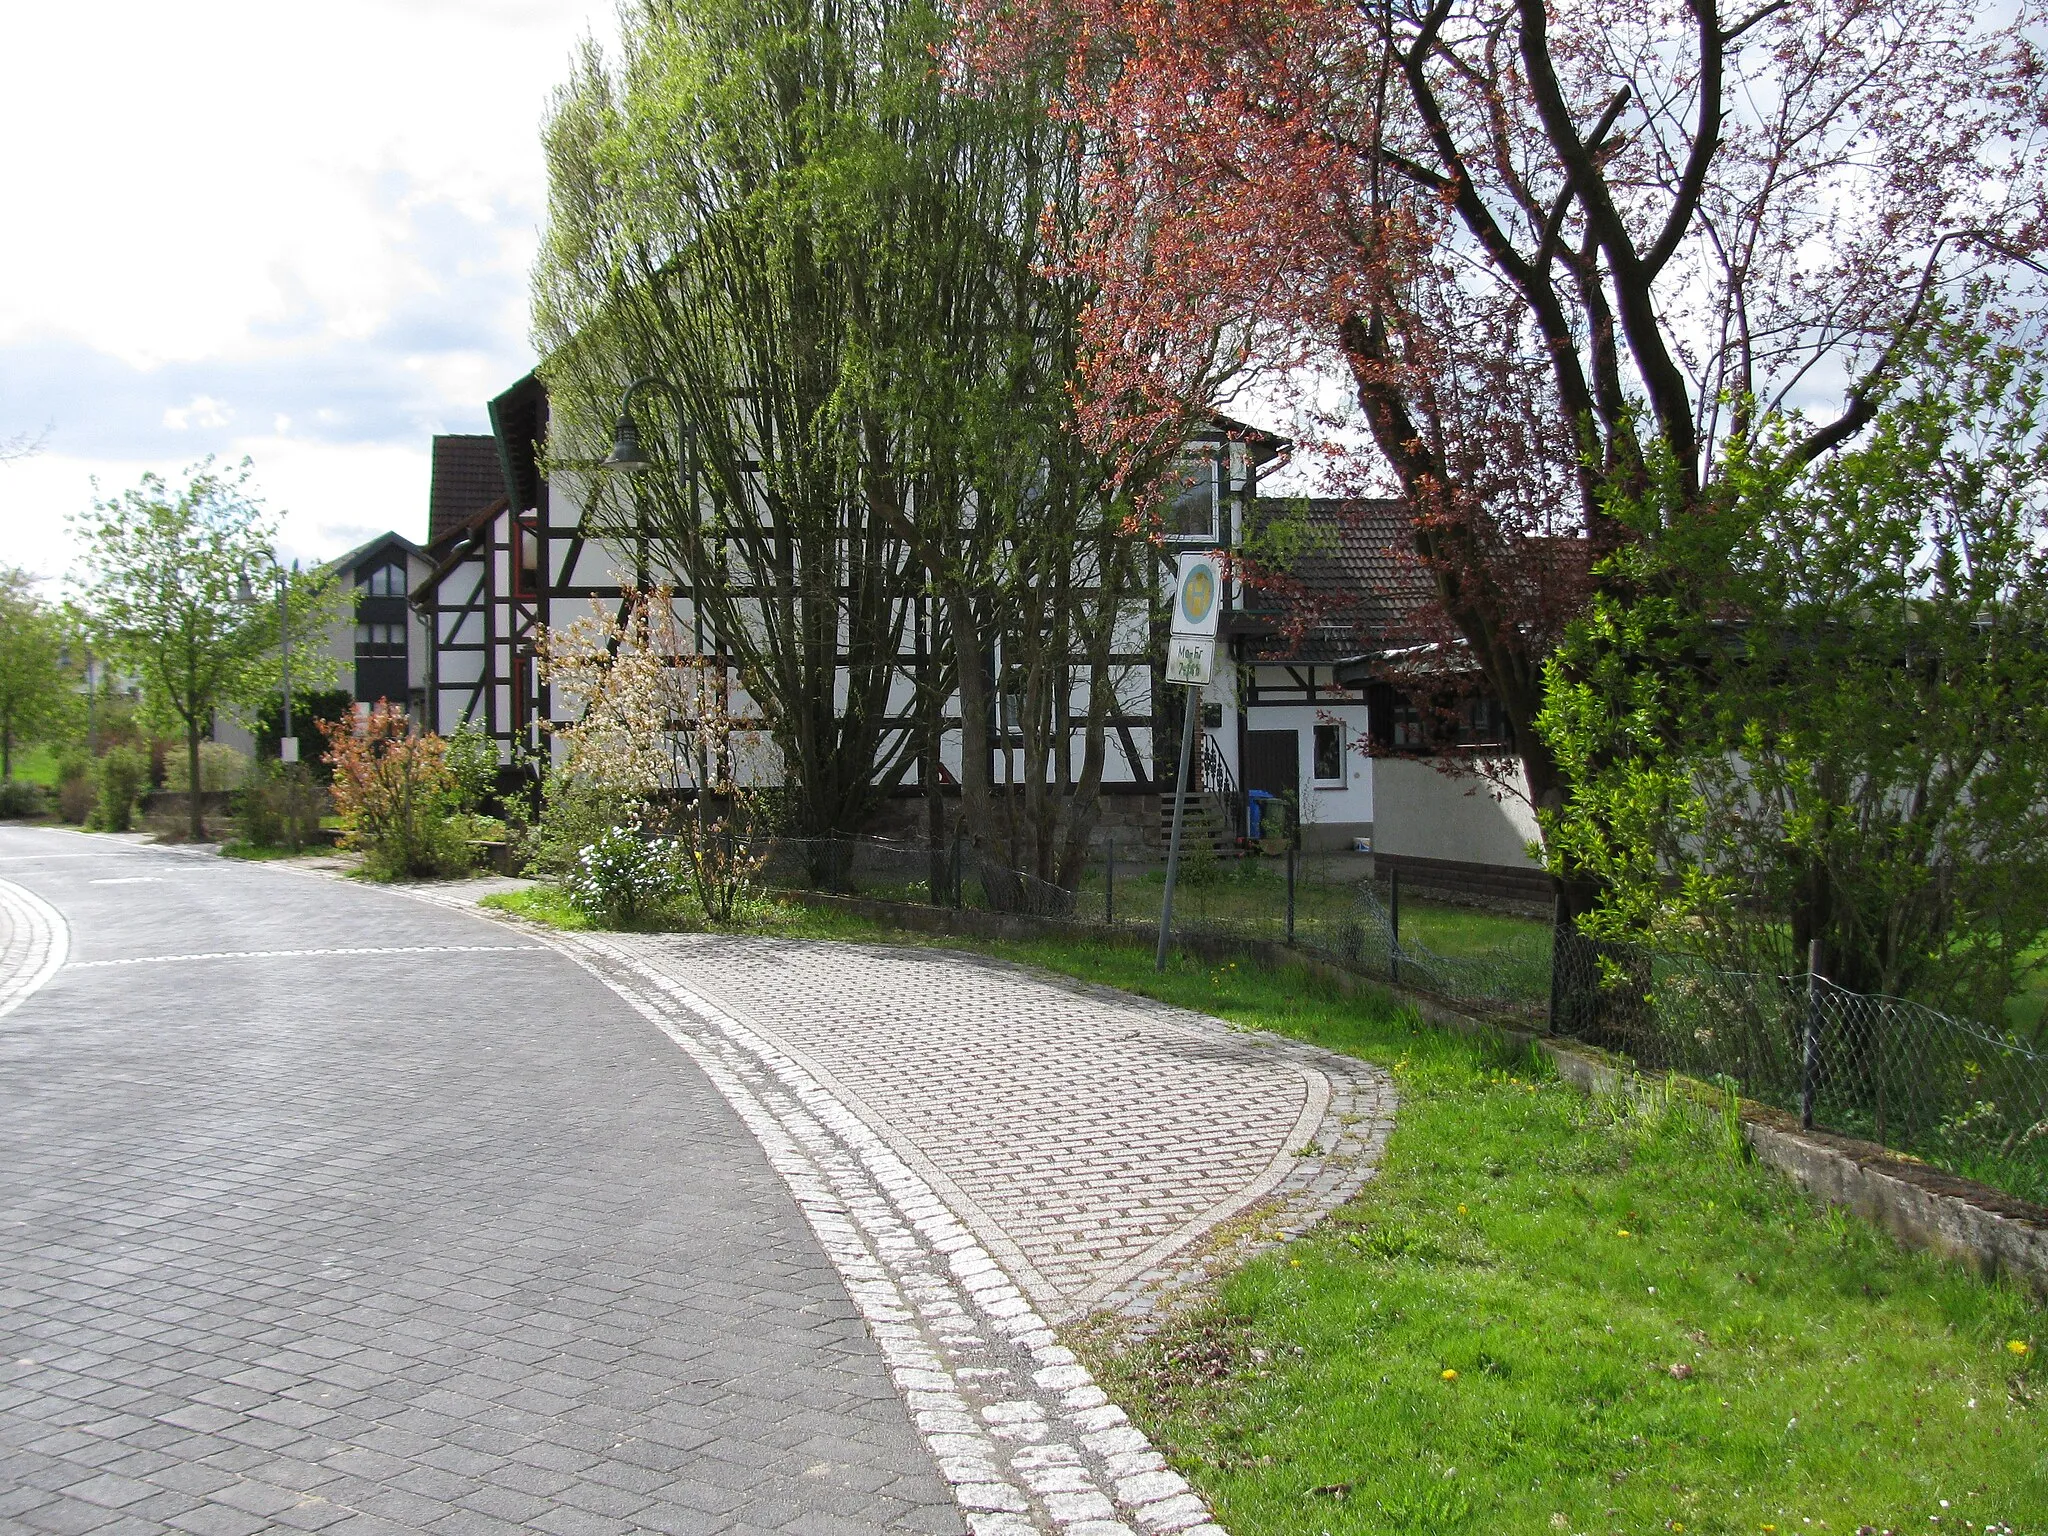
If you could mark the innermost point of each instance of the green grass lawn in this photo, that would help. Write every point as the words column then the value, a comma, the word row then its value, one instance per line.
column 1550, row 1313
column 1647, row 1332
column 37, row 764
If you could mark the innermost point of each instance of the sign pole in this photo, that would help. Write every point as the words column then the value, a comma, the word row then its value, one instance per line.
column 1190, row 660
column 1191, row 721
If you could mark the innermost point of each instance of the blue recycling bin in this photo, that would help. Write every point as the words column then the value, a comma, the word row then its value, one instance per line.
column 1256, row 809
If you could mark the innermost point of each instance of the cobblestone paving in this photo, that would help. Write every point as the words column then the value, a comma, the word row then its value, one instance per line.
column 343, row 1213
column 1091, row 1140
column 1026, row 1438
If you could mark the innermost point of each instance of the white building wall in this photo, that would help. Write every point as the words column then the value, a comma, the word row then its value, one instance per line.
column 1426, row 813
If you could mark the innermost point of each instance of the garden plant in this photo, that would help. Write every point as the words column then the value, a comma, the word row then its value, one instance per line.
column 396, row 796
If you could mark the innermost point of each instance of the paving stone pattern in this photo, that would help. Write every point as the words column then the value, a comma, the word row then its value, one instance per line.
column 1092, row 1141
column 33, row 944
column 426, row 1231
column 1027, row 1439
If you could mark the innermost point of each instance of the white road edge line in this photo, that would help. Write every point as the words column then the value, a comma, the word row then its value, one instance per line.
column 37, row 945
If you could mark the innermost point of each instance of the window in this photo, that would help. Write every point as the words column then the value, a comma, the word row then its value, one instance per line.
column 1405, row 723
column 526, row 569
column 1329, row 753
column 1191, row 500
column 1485, row 723
column 380, row 639
column 385, row 581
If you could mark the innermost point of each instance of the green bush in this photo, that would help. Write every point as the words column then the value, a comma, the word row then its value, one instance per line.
column 428, row 847
column 121, row 775
column 395, row 796
column 18, row 798
column 279, row 805
column 77, row 785
column 473, row 760
column 574, row 814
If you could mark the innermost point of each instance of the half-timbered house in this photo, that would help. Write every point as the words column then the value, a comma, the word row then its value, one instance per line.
column 1300, row 710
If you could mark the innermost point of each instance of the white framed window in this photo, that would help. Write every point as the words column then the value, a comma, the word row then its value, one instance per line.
column 1192, row 490
column 1326, row 757
column 385, row 581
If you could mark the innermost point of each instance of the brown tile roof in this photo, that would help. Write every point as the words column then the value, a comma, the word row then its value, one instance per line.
column 1354, row 587
column 467, row 479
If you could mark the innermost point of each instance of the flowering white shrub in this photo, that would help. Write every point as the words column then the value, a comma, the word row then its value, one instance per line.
column 624, row 878
column 656, row 727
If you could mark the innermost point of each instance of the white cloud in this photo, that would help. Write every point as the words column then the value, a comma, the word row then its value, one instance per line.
column 269, row 212
column 201, row 411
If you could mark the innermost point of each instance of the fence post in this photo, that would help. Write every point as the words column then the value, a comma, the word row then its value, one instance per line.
column 1808, row 1057
column 1290, row 893
column 1556, row 955
column 1394, row 925
column 1109, row 886
column 1877, row 1054
column 959, row 879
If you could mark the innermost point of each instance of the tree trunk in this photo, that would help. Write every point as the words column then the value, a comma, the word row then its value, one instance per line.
column 195, row 826
column 975, row 788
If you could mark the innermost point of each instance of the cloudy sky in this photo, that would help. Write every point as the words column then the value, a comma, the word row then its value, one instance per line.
column 265, row 227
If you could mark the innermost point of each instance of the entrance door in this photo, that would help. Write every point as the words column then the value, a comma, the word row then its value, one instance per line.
column 1272, row 762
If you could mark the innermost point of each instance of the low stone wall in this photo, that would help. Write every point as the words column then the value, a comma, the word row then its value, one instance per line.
column 1920, row 1206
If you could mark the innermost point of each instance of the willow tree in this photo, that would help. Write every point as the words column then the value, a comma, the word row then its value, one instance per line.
column 782, row 210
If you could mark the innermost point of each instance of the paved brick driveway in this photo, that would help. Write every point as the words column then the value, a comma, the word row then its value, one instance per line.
column 1091, row 1139
column 405, row 1224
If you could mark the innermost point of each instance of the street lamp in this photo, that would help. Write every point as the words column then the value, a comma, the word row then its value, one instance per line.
column 627, row 454
column 287, row 740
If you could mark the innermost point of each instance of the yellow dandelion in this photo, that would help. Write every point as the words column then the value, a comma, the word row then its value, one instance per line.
column 1461, row 1210
column 1621, row 1231
column 2018, row 1346
column 1295, row 1263
column 1450, row 1375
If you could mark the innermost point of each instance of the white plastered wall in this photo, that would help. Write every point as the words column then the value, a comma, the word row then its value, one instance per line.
column 1426, row 813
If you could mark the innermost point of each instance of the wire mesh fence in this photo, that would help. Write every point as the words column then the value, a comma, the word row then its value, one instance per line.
column 1962, row 1095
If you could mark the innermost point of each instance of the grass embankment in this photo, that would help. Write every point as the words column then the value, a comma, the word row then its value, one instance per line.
column 1550, row 1313
column 37, row 764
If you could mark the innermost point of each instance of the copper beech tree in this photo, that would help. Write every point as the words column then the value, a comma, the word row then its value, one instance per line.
column 1542, row 246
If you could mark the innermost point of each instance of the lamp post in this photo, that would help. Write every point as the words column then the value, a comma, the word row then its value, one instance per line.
column 627, row 454
column 287, row 740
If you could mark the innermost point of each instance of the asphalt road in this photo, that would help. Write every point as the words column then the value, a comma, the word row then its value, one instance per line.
column 324, row 1208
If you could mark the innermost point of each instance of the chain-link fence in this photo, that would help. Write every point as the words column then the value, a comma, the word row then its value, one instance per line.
column 1964, row 1096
